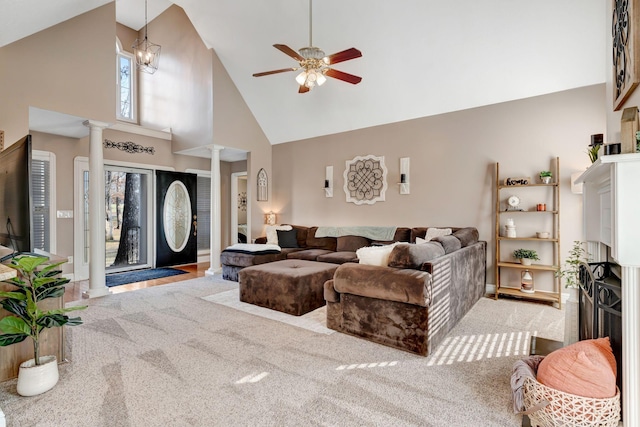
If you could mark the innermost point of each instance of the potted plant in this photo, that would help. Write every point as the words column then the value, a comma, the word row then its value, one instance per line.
column 545, row 177
column 525, row 256
column 593, row 153
column 36, row 279
column 571, row 269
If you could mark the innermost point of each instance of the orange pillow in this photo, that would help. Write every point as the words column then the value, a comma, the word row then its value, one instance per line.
column 586, row 368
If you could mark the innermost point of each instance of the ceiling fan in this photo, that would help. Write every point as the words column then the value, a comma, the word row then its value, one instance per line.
column 315, row 64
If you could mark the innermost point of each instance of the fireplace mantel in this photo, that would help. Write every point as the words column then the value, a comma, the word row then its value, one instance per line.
column 611, row 204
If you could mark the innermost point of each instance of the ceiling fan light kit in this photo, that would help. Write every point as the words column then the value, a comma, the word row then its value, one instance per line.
column 315, row 64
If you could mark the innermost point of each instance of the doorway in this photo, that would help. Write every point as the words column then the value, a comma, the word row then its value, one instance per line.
column 240, row 209
column 137, row 244
column 127, row 218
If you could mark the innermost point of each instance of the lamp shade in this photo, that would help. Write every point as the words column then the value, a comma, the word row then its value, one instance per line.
column 270, row 218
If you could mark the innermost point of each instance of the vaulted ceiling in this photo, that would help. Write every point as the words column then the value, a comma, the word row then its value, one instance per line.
column 420, row 57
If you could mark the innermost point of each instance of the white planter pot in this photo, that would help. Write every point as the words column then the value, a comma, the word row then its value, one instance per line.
column 574, row 295
column 36, row 379
column 545, row 179
column 525, row 261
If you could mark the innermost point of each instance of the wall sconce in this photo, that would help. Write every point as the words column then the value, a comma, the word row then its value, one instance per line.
column 270, row 218
column 404, row 175
column 526, row 282
column 328, row 181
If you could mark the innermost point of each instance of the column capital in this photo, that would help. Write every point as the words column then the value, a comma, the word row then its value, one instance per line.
column 96, row 124
column 215, row 147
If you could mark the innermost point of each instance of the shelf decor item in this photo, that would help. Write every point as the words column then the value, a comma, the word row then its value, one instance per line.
column 526, row 256
column 526, row 282
column 545, row 177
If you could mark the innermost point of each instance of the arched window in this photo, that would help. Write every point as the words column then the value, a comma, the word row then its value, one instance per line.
column 126, row 84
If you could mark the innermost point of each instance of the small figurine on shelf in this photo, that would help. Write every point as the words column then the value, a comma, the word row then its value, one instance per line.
column 526, row 282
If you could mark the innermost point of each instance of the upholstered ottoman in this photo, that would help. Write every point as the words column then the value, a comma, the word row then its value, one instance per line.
column 291, row 286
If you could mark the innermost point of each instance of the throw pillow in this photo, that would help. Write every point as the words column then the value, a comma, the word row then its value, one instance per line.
column 435, row 232
column 287, row 239
column 586, row 368
column 375, row 255
column 272, row 233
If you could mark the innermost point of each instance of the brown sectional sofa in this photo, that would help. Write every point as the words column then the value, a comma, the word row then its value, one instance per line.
column 411, row 304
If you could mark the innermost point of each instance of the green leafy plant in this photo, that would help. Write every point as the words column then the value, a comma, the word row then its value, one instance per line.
column 571, row 269
column 526, row 253
column 545, row 173
column 36, row 280
column 593, row 153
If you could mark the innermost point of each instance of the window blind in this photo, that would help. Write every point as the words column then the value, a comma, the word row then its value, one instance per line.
column 204, row 212
column 40, row 182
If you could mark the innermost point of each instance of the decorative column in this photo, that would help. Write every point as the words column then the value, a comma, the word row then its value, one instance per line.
column 97, row 280
column 216, row 227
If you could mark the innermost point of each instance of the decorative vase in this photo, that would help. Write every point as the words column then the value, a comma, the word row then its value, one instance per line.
column 36, row 379
column 525, row 261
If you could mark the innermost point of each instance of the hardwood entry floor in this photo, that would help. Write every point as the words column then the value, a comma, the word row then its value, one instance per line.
column 74, row 290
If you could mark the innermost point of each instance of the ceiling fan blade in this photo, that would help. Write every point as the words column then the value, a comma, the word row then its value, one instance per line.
column 345, row 55
column 266, row 73
column 303, row 89
column 287, row 50
column 349, row 78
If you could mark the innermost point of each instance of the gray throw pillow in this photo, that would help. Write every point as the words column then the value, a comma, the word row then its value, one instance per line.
column 287, row 239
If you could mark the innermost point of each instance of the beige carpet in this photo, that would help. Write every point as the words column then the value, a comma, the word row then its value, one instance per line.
column 164, row 356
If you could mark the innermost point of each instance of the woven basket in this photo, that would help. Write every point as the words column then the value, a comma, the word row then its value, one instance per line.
column 557, row 408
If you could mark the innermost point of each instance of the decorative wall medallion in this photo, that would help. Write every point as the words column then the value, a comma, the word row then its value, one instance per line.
column 626, row 50
column 129, row 147
column 365, row 180
column 263, row 186
column 242, row 201
column 177, row 216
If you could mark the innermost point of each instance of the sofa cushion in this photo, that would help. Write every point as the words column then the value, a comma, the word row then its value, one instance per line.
column 586, row 368
column 406, row 285
column 301, row 235
column 328, row 243
column 338, row 257
column 287, row 239
column 407, row 255
column 467, row 236
column 308, row 254
column 375, row 255
column 449, row 243
column 351, row 243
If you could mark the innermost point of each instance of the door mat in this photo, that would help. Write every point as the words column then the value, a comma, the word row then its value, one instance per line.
column 118, row 279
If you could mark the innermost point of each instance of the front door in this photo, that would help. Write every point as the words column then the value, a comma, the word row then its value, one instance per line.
column 176, row 218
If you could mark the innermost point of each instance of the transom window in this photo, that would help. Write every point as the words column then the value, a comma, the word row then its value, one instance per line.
column 126, row 84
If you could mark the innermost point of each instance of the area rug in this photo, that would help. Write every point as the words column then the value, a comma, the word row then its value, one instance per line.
column 164, row 356
column 118, row 279
column 314, row 321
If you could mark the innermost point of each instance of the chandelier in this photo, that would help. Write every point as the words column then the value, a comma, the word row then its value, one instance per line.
column 147, row 54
